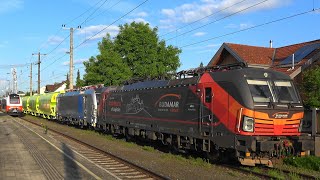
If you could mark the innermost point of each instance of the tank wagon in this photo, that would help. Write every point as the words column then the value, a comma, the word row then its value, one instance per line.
column 34, row 105
column 247, row 113
column 25, row 104
column 47, row 105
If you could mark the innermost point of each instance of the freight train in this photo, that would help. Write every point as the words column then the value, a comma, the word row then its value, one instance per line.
column 249, row 114
column 12, row 105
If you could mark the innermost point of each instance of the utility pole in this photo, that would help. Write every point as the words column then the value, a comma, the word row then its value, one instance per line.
column 14, row 81
column 71, row 56
column 31, row 79
column 39, row 62
column 71, row 59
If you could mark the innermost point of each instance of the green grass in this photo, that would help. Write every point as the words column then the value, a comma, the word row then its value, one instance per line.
column 309, row 162
column 188, row 160
column 148, row 148
column 276, row 174
column 294, row 176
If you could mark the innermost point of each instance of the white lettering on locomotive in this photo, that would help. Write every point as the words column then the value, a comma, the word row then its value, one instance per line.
column 169, row 104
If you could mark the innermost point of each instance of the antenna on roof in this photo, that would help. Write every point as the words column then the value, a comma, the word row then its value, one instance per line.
column 293, row 61
column 200, row 70
column 292, row 67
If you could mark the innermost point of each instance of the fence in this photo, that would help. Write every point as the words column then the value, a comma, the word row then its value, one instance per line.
column 311, row 121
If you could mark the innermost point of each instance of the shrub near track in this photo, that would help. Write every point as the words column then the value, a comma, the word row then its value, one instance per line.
column 310, row 162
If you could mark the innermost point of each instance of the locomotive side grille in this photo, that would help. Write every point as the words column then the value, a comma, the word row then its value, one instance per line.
column 276, row 127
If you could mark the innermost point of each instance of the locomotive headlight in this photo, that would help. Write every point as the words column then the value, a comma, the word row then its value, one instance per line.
column 248, row 124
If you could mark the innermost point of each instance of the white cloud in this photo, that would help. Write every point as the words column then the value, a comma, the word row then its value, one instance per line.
column 199, row 34
column 194, row 11
column 79, row 61
column 98, row 31
column 168, row 12
column 142, row 14
column 137, row 20
column 239, row 26
column 7, row 6
column 53, row 40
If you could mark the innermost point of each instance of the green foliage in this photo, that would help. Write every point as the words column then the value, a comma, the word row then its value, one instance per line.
column 309, row 162
column 108, row 67
column 79, row 82
column 135, row 53
column 311, row 87
column 67, row 82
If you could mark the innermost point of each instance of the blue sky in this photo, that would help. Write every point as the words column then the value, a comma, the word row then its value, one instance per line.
column 30, row 26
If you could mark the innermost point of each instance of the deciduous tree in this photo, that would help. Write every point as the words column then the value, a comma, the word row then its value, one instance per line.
column 311, row 87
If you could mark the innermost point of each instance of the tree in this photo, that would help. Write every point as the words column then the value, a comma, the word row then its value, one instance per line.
column 201, row 65
column 79, row 82
column 108, row 67
column 311, row 87
column 142, row 51
column 135, row 53
column 67, row 82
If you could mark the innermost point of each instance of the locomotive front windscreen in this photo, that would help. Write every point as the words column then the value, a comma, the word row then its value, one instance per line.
column 260, row 90
column 285, row 92
column 276, row 91
column 14, row 99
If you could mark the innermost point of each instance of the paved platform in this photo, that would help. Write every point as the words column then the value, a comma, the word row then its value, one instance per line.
column 15, row 160
column 26, row 153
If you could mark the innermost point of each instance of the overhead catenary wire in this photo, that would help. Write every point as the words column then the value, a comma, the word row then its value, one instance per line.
column 111, row 23
column 252, row 27
column 93, row 12
column 198, row 20
column 86, row 40
column 56, row 47
column 227, row 16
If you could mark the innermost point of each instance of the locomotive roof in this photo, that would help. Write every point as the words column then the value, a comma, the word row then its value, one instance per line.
column 160, row 83
column 258, row 73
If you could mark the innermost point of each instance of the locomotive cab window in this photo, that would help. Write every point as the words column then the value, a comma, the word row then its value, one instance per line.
column 14, row 99
column 260, row 90
column 208, row 94
column 285, row 92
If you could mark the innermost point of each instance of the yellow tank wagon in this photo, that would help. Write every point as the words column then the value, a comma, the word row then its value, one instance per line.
column 25, row 104
column 48, row 104
column 34, row 105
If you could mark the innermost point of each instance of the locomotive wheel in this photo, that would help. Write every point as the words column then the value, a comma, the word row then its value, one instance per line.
column 174, row 149
column 128, row 136
column 213, row 156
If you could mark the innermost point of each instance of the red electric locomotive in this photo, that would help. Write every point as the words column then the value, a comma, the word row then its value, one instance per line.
column 250, row 114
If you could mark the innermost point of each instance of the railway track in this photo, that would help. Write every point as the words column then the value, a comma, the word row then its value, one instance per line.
column 264, row 172
column 117, row 166
column 124, row 169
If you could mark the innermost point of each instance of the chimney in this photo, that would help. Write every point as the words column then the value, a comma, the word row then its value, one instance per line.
column 270, row 46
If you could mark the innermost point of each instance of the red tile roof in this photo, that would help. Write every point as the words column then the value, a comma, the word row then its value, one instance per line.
column 52, row 88
column 253, row 54
column 264, row 55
